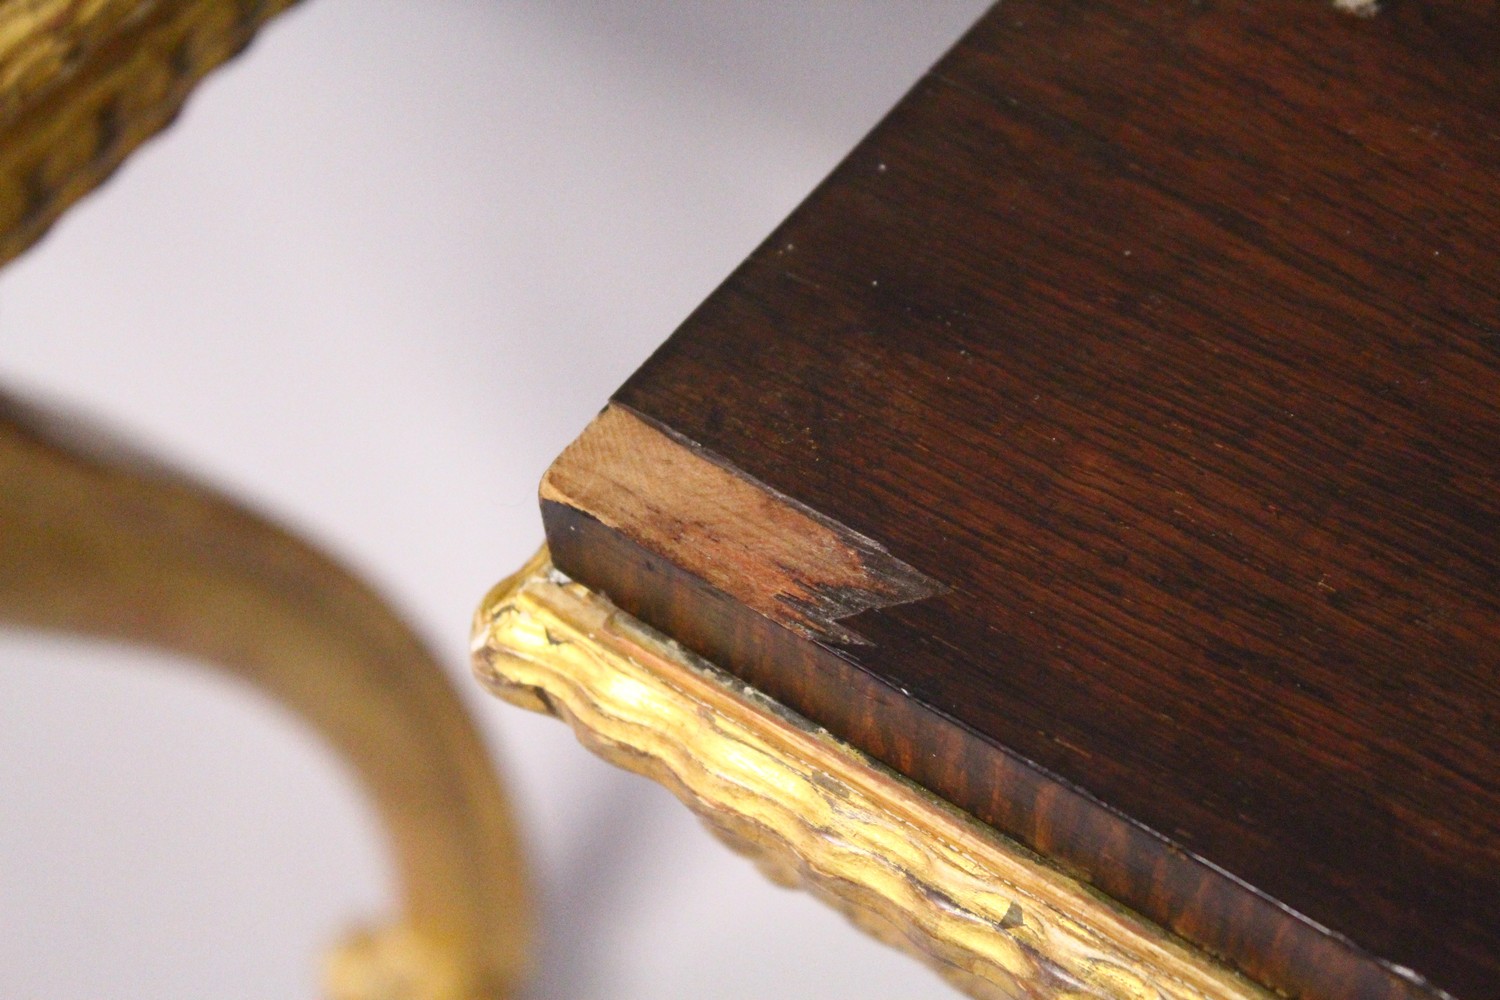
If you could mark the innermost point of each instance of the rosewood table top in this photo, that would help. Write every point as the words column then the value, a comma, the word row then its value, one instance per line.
column 1112, row 445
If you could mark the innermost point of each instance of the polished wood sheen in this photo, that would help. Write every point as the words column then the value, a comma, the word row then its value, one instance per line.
column 1163, row 340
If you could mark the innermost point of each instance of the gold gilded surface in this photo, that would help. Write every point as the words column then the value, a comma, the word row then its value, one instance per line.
column 97, row 540
column 44, row 41
column 990, row 916
column 84, row 82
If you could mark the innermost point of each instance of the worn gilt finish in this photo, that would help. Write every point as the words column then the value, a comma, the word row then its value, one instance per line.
column 990, row 916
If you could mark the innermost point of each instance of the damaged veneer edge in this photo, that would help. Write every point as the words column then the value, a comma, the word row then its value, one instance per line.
column 765, row 550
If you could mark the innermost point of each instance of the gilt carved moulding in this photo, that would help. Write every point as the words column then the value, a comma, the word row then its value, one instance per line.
column 991, row 917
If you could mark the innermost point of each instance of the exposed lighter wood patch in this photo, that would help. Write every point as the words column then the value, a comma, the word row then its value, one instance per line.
column 762, row 548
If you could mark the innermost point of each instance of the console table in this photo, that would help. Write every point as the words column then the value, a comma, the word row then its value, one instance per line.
column 1069, row 545
column 1071, row 542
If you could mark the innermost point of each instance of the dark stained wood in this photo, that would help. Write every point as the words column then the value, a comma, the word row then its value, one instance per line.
column 1165, row 338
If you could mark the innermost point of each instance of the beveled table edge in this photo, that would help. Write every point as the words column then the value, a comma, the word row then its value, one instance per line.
column 995, row 919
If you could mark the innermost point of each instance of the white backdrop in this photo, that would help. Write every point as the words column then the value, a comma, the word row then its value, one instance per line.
column 383, row 268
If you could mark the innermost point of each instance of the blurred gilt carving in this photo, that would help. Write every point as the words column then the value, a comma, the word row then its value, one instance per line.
column 84, row 82
column 98, row 540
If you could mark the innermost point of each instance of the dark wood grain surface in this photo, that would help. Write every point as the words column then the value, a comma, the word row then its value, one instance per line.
column 1165, row 339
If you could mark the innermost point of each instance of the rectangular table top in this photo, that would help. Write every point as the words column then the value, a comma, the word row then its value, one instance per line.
column 1112, row 445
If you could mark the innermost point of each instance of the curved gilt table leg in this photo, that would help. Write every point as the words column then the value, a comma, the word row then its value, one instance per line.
column 97, row 541
column 993, row 918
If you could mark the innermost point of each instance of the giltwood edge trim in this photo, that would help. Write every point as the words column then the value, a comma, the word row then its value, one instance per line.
column 993, row 918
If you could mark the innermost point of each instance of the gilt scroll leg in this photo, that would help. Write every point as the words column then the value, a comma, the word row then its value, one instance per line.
column 97, row 541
